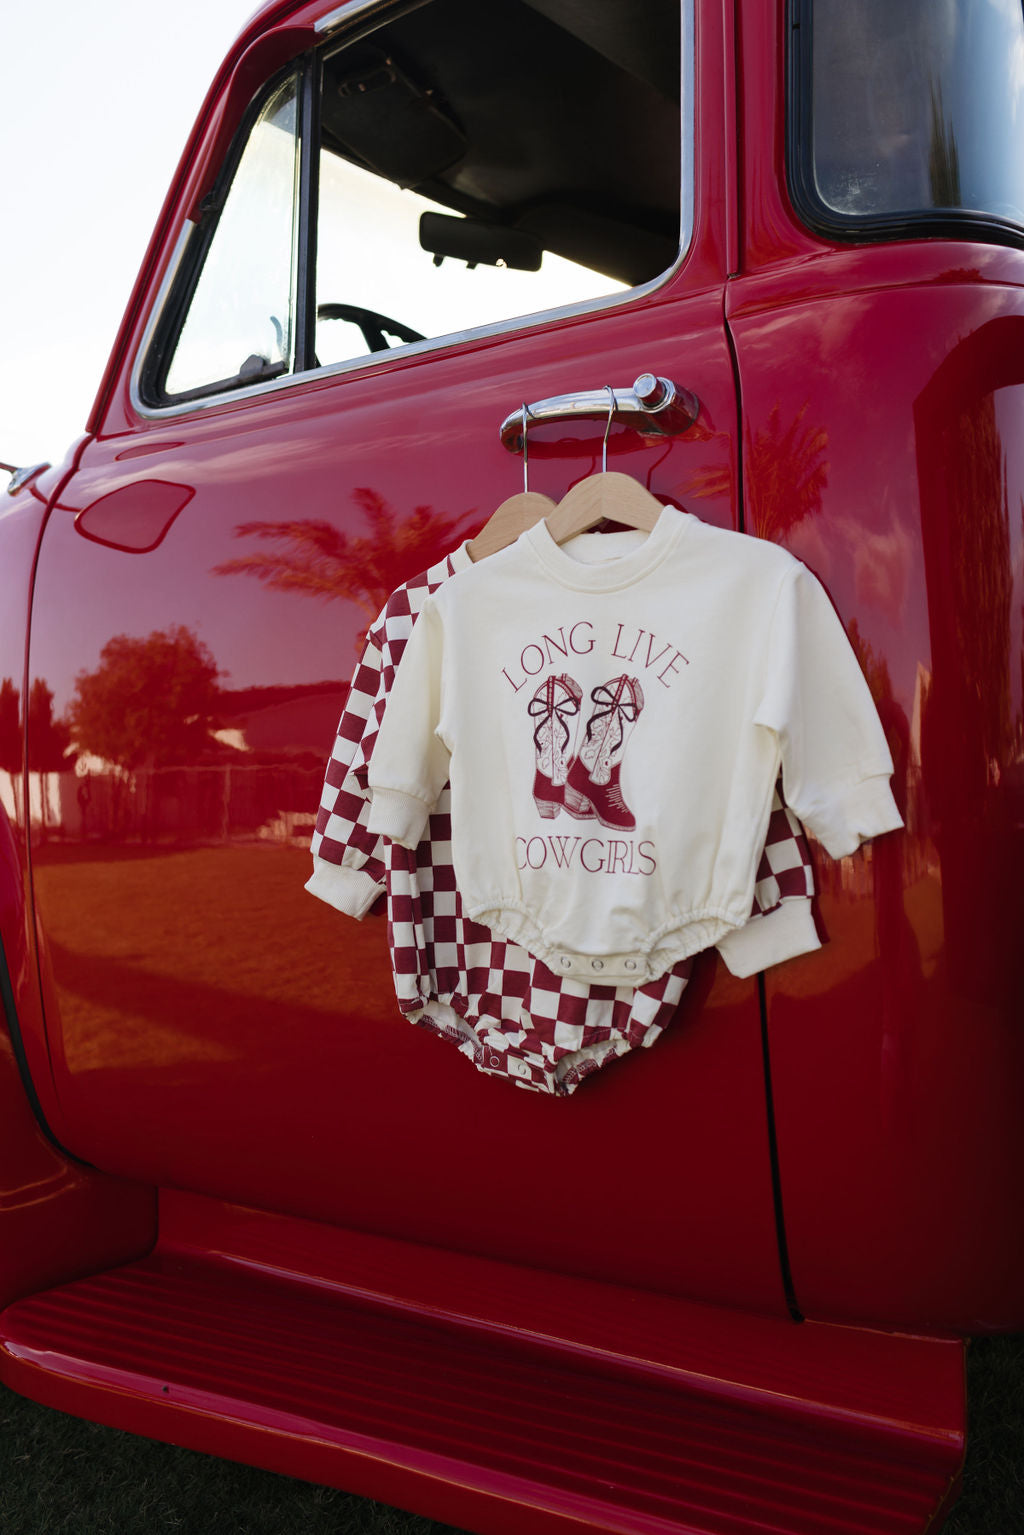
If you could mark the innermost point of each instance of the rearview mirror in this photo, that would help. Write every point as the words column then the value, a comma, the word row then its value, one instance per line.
column 479, row 244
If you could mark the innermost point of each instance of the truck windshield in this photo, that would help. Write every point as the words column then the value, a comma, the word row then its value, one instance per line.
column 910, row 113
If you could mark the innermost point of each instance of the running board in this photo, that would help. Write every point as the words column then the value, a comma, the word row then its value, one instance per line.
column 498, row 1399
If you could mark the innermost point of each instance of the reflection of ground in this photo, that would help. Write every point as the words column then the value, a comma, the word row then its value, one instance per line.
column 194, row 955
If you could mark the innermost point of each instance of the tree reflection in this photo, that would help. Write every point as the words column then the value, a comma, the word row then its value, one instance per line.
column 48, row 741
column 970, row 729
column 150, row 700
column 10, row 736
column 316, row 558
column 785, row 470
column 943, row 156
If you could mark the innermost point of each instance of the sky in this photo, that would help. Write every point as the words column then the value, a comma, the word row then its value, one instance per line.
column 90, row 137
column 92, row 124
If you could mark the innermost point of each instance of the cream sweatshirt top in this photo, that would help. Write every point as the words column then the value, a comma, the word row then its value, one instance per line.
column 613, row 731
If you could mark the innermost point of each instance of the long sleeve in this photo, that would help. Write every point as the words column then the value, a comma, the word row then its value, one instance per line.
column 836, row 765
column 348, row 861
column 781, row 923
column 409, row 766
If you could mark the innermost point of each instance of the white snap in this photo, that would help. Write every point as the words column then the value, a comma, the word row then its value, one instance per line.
column 630, row 964
column 597, row 964
column 566, row 962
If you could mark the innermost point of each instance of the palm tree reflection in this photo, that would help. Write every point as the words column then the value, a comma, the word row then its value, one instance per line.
column 317, row 558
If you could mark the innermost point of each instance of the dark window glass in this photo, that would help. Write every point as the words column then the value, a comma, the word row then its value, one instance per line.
column 910, row 111
column 541, row 139
column 457, row 167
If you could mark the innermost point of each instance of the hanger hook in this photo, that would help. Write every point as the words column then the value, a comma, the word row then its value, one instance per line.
column 526, row 454
column 607, row 428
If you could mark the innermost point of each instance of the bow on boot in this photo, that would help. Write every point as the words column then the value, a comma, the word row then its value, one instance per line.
column 555, row 703
column 592, row 785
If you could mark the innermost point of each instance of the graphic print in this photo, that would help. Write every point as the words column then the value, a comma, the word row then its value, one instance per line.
column 554, row 705
column 587, row 784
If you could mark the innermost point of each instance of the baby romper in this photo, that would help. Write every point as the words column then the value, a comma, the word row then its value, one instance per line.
column 505, row 1010
column 685, row 672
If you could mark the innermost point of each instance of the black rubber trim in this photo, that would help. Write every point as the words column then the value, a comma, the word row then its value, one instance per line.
column 860, row 228
column 157, row 362
column 21, row 1059
column 788, row 1287
column 309, row 201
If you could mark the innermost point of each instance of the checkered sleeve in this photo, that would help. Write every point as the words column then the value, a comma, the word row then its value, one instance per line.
column 348, row 862
column 392, row 632
column 781, row 923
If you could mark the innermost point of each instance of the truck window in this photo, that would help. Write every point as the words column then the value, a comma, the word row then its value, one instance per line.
column 909, row 118
column 468, row 166
column 240, row 321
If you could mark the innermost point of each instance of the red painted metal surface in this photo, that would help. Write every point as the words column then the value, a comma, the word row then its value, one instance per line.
column 210, row 1027
column 889, row 460
column 199, row 983
column 558, row 1407
column 57, row 1219
column 202, row 962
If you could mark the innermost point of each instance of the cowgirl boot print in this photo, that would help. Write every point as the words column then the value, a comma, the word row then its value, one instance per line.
column 555, row 707
column 592, row 785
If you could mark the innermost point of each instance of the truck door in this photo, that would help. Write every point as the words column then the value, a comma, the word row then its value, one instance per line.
column 302, row 412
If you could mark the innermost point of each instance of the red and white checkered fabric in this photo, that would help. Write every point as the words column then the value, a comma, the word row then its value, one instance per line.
column 499, row 1004
column 340, row 836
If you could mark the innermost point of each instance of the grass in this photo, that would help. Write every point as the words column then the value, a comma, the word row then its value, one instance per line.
column 992, row 1502
column 61, row 1476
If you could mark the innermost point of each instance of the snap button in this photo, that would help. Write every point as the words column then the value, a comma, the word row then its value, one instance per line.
column 630, row 964
column 566, row 962
column 597, row 964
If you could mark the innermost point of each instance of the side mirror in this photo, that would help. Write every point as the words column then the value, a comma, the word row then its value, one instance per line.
column 479, row 244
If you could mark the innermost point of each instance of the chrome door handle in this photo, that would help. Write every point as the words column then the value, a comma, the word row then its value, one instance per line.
column 654, row 405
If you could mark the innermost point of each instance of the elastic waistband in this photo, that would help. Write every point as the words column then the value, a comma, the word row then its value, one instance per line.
column 624, row 967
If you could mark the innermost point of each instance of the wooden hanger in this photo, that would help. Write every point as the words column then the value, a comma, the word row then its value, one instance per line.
column 514, row 515
column 617, row 497
column 506, row 522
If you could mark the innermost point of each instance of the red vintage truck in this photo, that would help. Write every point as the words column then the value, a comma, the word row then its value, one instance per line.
column 247, row 1208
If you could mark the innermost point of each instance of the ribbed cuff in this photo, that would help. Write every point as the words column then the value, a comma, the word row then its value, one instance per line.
column 864, row 811
column 781, row 934
column 399, row 817
column 351, row 891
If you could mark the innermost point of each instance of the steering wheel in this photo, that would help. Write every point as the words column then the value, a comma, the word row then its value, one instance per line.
column 372, row 324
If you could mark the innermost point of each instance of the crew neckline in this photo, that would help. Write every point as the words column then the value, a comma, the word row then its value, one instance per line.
column 611, row 574
column 598, row 548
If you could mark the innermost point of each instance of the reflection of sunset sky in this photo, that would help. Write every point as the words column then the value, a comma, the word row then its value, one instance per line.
column 297, row 641
column 258, row 636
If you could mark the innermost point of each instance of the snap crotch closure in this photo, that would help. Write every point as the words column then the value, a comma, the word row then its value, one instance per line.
column 617, row 969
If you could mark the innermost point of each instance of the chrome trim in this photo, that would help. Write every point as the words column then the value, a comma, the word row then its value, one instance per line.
column 514, row 323
column 375, row 359
column 654, row 405
column 341, row 13
column 333, row 19
column 20, row 477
